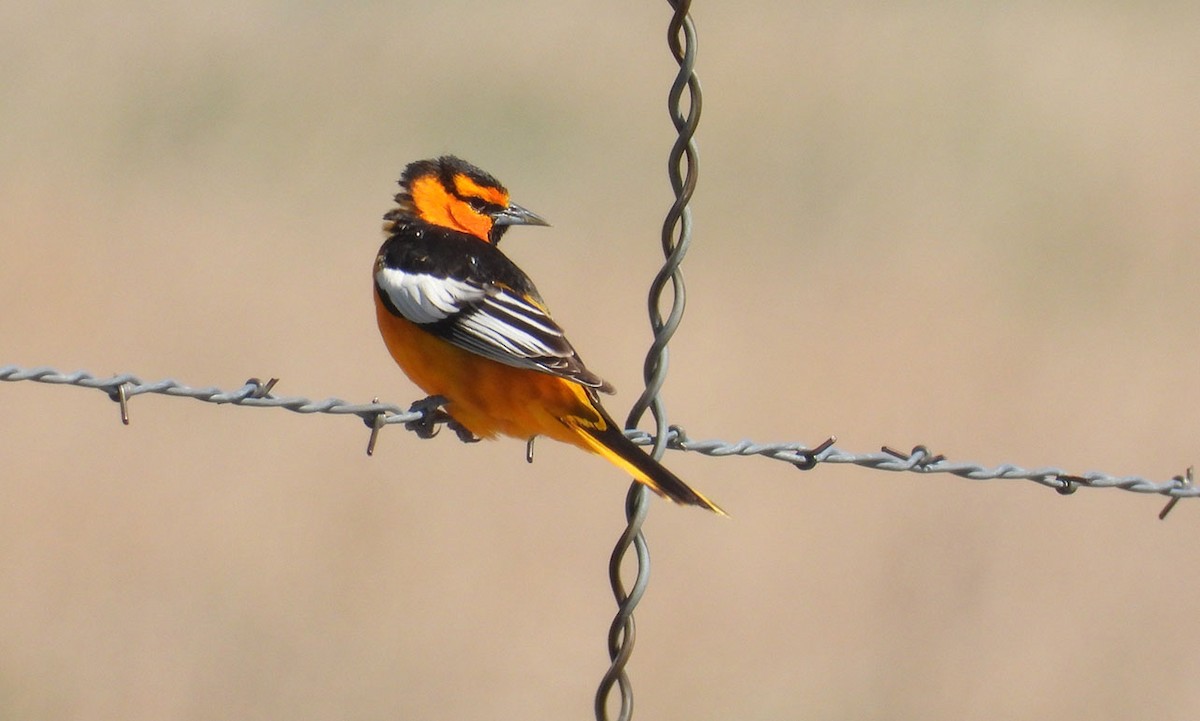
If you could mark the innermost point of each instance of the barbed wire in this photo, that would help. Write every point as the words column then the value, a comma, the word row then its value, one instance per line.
column 423, row 415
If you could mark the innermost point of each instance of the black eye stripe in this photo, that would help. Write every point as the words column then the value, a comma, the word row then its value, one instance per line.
column 479, row 204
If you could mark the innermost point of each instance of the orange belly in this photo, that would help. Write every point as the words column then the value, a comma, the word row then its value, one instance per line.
column 487, row 397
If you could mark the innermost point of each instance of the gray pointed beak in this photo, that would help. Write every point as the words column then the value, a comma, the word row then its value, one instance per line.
column 516, row 215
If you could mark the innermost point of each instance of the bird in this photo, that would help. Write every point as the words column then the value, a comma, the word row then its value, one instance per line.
column 467, row 325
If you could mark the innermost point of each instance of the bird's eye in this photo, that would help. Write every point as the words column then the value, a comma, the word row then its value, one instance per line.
column 479, row 204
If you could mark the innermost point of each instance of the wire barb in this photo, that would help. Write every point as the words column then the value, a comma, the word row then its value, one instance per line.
column 1068, row 484
column 375, row 423
column 811, row 458
column 121, row 396
column 1185, row 481
column 919, row 457
column 263, row 390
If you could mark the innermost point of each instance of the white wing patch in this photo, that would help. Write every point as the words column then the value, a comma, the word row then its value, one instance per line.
column 515, row 327
column 424, row 298
column 521, row 310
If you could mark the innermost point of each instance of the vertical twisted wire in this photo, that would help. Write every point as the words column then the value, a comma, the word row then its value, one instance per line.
column 682, row 167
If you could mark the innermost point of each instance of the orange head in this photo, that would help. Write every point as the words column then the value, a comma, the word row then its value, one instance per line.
column 452, row 193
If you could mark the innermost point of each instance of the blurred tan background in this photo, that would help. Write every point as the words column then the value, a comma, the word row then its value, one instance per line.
column 972, row 226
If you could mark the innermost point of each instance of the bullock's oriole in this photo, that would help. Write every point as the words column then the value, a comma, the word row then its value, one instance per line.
column 466, row 324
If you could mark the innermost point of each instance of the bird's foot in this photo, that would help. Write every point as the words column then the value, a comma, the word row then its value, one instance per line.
column 432, row 416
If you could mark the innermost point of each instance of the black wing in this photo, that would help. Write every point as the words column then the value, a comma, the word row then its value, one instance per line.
column 491, row 319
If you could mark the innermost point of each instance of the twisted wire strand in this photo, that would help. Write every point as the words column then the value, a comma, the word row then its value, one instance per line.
column 921, row 460
column 253, row 393
column 682, row 167
column 805, row 457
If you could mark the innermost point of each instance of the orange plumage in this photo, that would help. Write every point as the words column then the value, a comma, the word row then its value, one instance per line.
column 465, row 323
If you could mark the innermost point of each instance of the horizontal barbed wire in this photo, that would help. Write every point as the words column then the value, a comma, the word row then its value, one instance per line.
column 421, row 415
column 253, row 393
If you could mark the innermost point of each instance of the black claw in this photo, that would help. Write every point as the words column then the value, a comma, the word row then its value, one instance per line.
column 432, row 416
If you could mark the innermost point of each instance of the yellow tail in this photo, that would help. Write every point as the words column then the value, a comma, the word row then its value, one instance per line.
column 609, row 442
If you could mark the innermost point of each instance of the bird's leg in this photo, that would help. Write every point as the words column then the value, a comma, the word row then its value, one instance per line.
column 464, row 434
column 432, row 416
